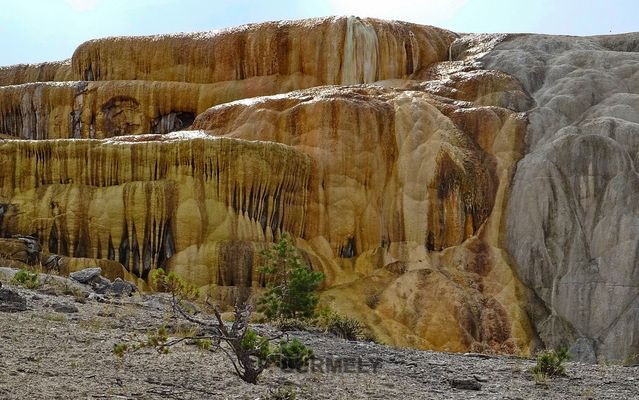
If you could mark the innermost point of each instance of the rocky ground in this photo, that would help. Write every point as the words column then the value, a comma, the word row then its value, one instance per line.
column 56, row 342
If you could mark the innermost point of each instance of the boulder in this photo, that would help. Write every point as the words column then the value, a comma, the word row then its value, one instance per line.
column 100, row 285
column 121, row 287
column 87, row 275
column 11, row 301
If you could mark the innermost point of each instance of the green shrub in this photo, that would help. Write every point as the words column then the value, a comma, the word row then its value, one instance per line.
column 256, row 343
column 203, row 344
column 550, row 364
column 291, row 284
column 158, row 339
column 294, row 324
column 27, row 279
column 174, row 284
column 119, row 349
column 293, row 354
column 341, row 326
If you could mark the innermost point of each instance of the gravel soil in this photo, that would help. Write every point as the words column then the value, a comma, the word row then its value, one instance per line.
column 46, row 354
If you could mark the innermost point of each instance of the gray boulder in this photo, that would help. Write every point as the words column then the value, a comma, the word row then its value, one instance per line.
column 87, row 275
column 100, row 285
column 11, row 301
column 121, row 287
column 93, row 278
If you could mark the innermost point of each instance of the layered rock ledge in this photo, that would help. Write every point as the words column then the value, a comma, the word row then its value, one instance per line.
column 460, row 192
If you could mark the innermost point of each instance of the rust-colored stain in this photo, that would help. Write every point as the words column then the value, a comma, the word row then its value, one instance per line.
column 192, row 152
column 462, row 197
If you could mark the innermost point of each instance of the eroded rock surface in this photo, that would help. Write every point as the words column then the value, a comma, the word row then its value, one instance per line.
column 387, row 149
column 401, row 178
column 184, row 199
column 43, row 72
column 573, row 220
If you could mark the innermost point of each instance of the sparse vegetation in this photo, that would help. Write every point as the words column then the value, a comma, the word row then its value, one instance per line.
column 248, row 351
column 204, row 344
column 119, row 349
column 587, row 393
column 158, row 340
column 27, row 279
column 294, row 324
column 282, row 393
column 184, row 330
column 631, row 360
column 328, row 321
column 540, row 378
column 290, row 301
column 373, row 299
column 341, row 326
column 78, row 295
column 94, row 324
column 550, row 363
column 54, row 316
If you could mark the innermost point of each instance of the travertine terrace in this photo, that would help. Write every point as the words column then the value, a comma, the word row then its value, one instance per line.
column 460, row 192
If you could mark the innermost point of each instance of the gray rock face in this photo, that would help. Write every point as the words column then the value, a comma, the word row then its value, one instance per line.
column 573, row 216
column 583, row 350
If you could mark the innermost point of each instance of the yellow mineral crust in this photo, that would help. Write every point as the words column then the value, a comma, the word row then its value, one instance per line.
column 342, row 50
column 394, row 183
column 405, row 204
column 144, row 199
column 389, row 165
column 56, row 110
column 43, row 72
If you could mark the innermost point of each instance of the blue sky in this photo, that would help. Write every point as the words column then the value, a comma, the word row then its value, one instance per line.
column 47, row 30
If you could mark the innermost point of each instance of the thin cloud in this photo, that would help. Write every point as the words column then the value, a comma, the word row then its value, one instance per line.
column 425, row 12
